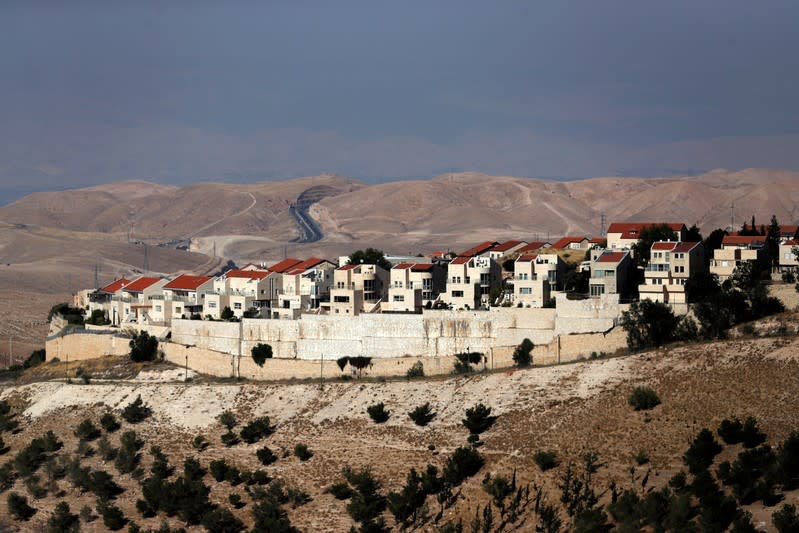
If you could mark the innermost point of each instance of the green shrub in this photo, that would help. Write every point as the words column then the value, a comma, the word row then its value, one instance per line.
column 422, row 415
column 221, row 520
column 641, row 458
column 260, row 353
column 786, row 519
column 378, row 413
column 109, row 422
column 643, row 399
column 751, row 435
column 478, row 419
column 18, row 507
column 546, row 459
column 136, row 411
column 341, row 490
column 227, row 419
column 649, row 324
column 302, row 452
column 62, row 520
column 230, row 439
column 730, row 431
column 266, row 456
column 199, row 443
column 465, row 360
column 143, row 347
column 87, row 431
column 416, row 370
column 113, row 518
column 462, row 464
column 702, row 451
column 522, row 354
column 256, row 430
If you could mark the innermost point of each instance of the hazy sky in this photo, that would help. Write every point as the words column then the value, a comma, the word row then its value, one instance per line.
column 177, row 91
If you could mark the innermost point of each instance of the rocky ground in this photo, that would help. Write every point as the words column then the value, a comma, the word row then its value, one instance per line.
column 570, row 409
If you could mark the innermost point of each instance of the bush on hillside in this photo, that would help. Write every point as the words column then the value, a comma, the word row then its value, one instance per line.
column 378, row 413
column 522, row 354
column 422, row 415
column 143, row 347
column 260, row 353
column 415, row 371
column 643, row 399
column 136, row 411
column 478, row 419
column 18, row 507
column 256, row 430
column 546, row 459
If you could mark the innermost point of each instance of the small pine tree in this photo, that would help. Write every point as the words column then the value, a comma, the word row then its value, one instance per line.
column 227, row 419
column 18, row 507
column 478, row 419
column 422, row 415
column 522, row 356
column 302, row 452
column 136, row 411
column 260, row 353
column 643, row 399
column 109, row 422
column 378, row 413
column 143, row 347
column 266, row 456
column 62, row 520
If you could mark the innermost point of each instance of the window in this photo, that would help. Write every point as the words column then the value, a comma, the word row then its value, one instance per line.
column 597, row 290
column 178, row 310
column 399, row 298
column 679, row 268
column 237, row 305
column 525, row 290
column 212, row 305
column 457, row 294
column 157, row 308
column 341, row 299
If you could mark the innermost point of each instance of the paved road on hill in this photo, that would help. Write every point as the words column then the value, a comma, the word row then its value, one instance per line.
column 308, row 227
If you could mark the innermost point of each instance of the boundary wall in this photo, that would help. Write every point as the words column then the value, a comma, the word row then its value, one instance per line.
column 309, row 347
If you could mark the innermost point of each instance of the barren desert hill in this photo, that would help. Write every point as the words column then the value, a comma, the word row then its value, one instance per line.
column 468, row 207
column 153, row 212
column 568, row 409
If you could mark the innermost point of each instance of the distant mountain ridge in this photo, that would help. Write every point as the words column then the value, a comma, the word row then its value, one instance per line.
column 454, row 208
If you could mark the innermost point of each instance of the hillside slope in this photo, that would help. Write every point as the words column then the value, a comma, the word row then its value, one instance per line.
column 570, row 409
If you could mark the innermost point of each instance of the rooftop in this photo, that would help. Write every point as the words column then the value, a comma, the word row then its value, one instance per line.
column 187, row 282
column 140, row 284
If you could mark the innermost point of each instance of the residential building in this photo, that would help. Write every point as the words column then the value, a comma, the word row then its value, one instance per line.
column 572, row 243
column 737, row 249
column 611, row 273
column 181, row 298
column 237, row 289
column 534, row 246
column 789, row 232
column 503, row 250
column 470, row 280
column 623, row 235
column 670, row 265
column 414, row 286
column 305, row 286
column 134, row 304
column 481, row 249
column 788, row 261
column 530, row 289
column 358, row 288
column 103, row 299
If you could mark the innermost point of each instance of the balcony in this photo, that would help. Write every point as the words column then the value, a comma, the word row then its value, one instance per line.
column 657, row 267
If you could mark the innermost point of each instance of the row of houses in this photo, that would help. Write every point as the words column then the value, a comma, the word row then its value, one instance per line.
column 472, row 279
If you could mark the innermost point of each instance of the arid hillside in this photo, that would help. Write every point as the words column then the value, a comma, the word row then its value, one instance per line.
column 570, row 410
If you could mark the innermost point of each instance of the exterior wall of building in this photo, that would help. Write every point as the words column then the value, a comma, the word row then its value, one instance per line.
column 725, row 260
column 787, row 258
column 357, row 290
column 469, row 283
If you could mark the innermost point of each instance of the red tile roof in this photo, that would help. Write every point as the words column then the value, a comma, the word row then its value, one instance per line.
column 403, row 266
column 248, row 274
column 115, row 285
column 140, row 284
column 505, row 246
column 284, row 265
column 565, row 241
column 789, row 230
column 742, row 240
column 479, row 249
column 663, row 245
column 632, row 230
column 460, row 260
column 684, row 247
column 422, row 267
column 532, row 246
column 526, row 258
column 611, row 257
column 310, row 263
column 187, row 282
column 598, row 240
column 348, row 266
column 792, row 242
